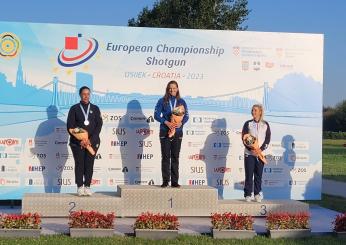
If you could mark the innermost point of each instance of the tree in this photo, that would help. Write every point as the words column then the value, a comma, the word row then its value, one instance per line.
column 340, row 116
column 334, row 119
column 329, row 122
column 194, row 14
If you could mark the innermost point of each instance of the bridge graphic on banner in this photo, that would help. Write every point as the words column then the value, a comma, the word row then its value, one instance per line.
column 240, row 100
column 59, row 94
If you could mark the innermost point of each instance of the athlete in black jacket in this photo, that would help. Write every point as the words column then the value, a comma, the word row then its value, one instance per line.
column 87, row 116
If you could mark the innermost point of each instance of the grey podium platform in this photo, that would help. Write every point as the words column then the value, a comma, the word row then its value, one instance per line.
column 132, row 200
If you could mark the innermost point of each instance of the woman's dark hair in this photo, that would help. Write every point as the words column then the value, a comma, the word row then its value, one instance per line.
column 166, row 96
column 82, row 88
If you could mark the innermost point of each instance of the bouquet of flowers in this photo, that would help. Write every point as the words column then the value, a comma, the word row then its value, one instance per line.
column 252, row 142
column 177, row 117
column 82, row 134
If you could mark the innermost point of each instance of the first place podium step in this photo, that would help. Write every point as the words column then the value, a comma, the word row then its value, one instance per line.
column 183, row 201
column 132, row 200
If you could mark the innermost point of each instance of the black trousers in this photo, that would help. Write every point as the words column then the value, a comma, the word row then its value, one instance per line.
column 170, row 149
column 253, row 175
column 84, row 166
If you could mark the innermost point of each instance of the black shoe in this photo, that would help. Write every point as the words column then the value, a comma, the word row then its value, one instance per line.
column 176, row 185
column 164, row 185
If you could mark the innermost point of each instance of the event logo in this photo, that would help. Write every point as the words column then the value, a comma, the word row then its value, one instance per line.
column 273, row 183
column 62, row 168
column 222, row 170
column 64, row 182
column 145, row 156
column 10, row 45
column 34, row 182
column 269, row 64
column 197, row 170
column 195, row 144
column 221, row 145
column 144, row 182
column 273, row 170
column 195, row 132
column 144, row 143
column 204, row 119
column 297, row 182
column 106, row 117
column 96, row 182
column 257, row 65
column 196, row 182
column 9, row 155
column 117, row 156
column 57, row 142
column 9, row 142
column 9, row 168
column 144, row 131
column 150, row 119
column 298, row 170
column 218, row 157
column 143, row 169
column 115, row 182
column 36, row 168
column 121, row 143
column 118, row 131
column 245, row 65
column 222, row 132
column 236, row 50
column 41, row 155
column 9, row 182
column 223, row 182
column 138, row 118
column 77, row 51
column 196, row 157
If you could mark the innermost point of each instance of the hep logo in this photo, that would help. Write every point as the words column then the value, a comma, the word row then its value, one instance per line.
column 77, row 50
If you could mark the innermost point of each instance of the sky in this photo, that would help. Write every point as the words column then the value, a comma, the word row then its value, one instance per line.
column 327, row 17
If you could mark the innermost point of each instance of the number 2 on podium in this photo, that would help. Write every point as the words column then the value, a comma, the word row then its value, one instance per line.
column 72, row 206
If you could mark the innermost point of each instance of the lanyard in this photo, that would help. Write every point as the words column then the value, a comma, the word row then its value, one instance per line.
column 86, row 114
column 170, row 104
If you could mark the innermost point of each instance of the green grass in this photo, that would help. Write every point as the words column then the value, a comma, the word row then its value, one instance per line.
column 61, row 239
column 334, row 160
column 331, row 202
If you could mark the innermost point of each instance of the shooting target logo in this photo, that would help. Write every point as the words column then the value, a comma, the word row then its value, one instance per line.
column 77, row 51
column 10, row 45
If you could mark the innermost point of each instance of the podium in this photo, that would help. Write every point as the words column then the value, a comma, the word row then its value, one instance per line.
column 132, row 200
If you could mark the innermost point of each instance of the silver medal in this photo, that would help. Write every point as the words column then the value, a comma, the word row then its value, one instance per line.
column 86, row 114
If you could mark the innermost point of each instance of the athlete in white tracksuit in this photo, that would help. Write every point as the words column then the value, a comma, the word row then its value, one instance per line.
column 253, row 166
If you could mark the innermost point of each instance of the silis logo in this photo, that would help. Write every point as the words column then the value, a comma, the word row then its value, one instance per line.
column 77, row 51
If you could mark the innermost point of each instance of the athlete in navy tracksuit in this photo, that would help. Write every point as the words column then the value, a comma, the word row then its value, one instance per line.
column 253, row 166
column 170, row 147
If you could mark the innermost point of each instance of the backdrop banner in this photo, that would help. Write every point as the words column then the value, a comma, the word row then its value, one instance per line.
column 221, row 74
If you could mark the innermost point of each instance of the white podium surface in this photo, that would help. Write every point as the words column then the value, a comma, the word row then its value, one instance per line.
column 132, row 200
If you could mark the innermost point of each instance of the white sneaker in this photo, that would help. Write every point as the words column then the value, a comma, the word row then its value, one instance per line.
column 87, row 191
column 247, row 199
column 80, row 191
column 258, row 198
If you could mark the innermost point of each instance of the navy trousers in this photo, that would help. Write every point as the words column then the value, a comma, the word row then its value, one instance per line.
column 253, row 175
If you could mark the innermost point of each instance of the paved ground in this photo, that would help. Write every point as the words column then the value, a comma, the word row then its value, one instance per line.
column 335, row 188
